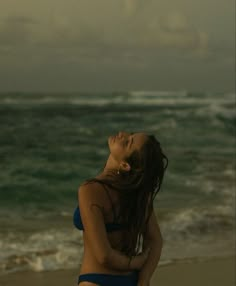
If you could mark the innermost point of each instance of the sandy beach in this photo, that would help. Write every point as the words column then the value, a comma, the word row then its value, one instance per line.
column 214, row 272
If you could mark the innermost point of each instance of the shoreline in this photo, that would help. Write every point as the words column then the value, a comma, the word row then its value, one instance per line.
column 218, row 271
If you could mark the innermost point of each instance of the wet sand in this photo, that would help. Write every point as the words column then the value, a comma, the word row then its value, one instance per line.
column 214, row 272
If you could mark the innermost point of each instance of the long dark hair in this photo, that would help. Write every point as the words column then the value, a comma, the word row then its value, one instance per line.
column 137, row 190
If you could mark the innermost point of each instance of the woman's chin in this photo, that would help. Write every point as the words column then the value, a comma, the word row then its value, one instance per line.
column 109, row 141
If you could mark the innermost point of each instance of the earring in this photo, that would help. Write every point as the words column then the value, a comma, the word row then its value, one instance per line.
column 118, row 171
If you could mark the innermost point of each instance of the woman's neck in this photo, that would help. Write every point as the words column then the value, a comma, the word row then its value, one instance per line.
column 110, row 167
column 111, row 164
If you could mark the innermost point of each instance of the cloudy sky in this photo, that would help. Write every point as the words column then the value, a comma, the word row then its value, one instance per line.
column 103, row 45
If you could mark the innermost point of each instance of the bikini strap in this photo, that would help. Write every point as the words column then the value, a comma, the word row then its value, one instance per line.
column 113, row 208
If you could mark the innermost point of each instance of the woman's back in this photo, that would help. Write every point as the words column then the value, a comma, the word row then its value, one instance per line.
column 110, row 209
column 111, row 215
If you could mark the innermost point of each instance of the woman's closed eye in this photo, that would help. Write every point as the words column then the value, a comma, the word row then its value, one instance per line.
column 125, row 142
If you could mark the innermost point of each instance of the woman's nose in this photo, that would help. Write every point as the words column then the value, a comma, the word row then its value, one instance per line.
column 119, row 134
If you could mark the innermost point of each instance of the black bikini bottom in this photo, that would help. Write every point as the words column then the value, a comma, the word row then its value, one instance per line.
column 110, row 279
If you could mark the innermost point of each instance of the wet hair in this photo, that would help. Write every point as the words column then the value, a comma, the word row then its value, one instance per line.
column 137, row 190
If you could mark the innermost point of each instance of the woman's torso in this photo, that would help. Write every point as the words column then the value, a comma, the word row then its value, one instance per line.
column 89, row 262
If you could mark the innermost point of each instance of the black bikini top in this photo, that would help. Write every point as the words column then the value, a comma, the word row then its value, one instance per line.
column 109, row 226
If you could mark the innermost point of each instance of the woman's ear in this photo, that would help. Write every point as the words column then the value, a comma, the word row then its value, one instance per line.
column 125, row 166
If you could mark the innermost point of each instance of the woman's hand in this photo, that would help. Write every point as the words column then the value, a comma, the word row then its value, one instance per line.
column 138, row 261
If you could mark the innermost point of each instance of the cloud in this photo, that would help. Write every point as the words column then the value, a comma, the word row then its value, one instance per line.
column 143, row 39
column 130, row 7
column 114, row 32
column 175, row 21
column 126, row 23
column 15, row 30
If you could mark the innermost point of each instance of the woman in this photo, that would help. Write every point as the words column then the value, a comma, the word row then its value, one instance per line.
column 115, row 210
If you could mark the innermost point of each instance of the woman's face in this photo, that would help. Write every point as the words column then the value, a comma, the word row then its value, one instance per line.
column 123, row 144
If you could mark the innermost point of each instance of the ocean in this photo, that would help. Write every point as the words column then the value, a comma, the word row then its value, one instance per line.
column 51, row 143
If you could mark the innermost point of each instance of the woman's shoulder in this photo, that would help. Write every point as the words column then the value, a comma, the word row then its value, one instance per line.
column 93, row 189
column 90, row 186
column 98, row 192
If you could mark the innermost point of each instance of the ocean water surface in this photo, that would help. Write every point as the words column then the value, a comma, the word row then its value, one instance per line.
column 51, row 143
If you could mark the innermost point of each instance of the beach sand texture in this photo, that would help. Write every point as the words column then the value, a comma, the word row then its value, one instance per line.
column 214, row 272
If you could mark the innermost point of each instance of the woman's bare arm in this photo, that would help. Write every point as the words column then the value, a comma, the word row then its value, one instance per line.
column 153, row 239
